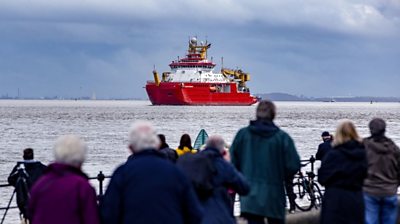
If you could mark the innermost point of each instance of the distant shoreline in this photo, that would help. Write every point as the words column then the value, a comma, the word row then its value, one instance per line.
column 289, row 97
column 271, row 96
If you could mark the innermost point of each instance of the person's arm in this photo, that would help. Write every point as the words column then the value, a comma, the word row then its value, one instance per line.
column 318, row 156
column 328, row 169
column 12, row 178
column 292, row 158
column 89, row 209
column 192, row 209
column 236, row 181
column 110, row 204
column 234, row 150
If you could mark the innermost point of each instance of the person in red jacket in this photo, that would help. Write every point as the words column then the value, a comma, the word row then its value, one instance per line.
column 63, row 194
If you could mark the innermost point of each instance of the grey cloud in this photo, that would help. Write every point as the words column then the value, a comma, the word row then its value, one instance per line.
column 74, row 48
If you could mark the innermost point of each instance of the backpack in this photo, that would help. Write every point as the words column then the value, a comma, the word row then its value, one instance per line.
column 22, row 189
column 200, row 170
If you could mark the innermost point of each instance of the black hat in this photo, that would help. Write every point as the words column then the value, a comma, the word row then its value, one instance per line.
column 325, row 134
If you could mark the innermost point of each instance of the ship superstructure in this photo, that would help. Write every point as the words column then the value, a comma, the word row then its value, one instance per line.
column 192, row 81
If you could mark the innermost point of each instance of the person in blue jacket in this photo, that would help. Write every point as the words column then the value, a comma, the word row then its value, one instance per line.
column 218, row 207
column 148, row 188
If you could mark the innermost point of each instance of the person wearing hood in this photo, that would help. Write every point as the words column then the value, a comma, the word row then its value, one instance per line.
column 380, row 186
column 266, row 156
column 63, row 194
column 342, row 172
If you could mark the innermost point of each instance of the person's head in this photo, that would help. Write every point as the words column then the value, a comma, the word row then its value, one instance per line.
column 142, row 136
column 266, row 110
column 28, row 154
column 163, row 142
column 185, row 141
column 71, row 150
column 326, row 136
column 345, row 131
column 216, row 142
column 377, row 127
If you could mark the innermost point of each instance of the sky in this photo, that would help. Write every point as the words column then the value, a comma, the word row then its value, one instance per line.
column 72, row 48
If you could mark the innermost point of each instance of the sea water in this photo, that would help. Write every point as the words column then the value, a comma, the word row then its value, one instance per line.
column 104, row 126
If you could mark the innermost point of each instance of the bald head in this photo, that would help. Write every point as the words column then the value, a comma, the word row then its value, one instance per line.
column 217, row 142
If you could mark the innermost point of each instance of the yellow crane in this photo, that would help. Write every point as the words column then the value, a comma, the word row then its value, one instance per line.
column 237, row 74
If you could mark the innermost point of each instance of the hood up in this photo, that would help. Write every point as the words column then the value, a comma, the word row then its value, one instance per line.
column 263, row 128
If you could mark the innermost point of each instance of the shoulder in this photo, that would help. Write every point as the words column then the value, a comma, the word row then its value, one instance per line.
column 242, row 131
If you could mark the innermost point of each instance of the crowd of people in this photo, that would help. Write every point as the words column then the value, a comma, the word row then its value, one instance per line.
column 158, row 184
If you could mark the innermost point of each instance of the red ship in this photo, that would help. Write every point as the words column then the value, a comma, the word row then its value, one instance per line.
column 192, row 81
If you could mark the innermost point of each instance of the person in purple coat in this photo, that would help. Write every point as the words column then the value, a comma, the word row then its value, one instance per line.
column 63, row 194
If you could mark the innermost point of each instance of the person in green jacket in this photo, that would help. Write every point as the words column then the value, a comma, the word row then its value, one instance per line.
column 266, row 156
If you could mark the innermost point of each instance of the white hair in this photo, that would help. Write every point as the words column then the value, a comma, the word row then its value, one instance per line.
column 216, row 141
column 70, row 149
column 142, row 136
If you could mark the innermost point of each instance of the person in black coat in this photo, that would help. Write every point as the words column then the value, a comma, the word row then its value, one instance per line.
column 218, row 207
column 34, row 169
column 148, row 188
column 342, row 172
column 325, row 146
column 164, row 148
column 24, row 174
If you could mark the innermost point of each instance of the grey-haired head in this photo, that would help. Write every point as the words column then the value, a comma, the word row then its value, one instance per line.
column 217, row 142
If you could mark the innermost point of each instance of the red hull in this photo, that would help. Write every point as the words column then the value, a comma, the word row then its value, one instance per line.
column 174, row 93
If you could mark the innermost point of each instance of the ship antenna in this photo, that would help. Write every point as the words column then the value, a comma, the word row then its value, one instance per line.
column 154, row 67
column 222, row 62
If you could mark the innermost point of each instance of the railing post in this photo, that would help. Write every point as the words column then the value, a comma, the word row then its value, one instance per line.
column 312, row 161
column 100, row 178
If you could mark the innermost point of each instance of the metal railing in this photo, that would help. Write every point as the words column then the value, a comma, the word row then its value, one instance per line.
column 101, row 178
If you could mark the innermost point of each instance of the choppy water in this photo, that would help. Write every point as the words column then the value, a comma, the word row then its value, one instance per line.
column 104, row 126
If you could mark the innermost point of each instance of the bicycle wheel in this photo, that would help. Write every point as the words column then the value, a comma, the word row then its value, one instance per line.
column 303, row 200
column 317, row 195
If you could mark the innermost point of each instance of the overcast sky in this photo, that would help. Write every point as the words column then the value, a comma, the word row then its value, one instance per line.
column 315, row 48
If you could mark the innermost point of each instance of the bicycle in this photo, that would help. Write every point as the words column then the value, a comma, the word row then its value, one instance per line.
column 308, row 193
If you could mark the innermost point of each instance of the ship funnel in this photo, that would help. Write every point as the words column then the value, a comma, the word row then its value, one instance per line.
column 156, row 79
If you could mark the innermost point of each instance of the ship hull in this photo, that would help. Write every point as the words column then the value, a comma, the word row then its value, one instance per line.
column 174, row 93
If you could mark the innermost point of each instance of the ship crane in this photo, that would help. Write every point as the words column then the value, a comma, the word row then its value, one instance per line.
column 237, row 74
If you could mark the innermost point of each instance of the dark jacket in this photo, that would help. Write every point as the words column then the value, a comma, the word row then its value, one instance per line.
column 383, row 166
column 149, row 189
column 265, row 155
column 63, row 195
column 323, row 149
column 169, row 153
column 342, row 172
column 218, row 206
column 22, row 177
column 33, row 168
